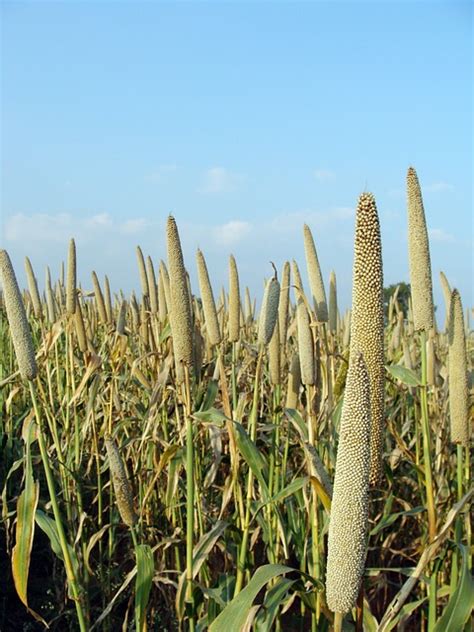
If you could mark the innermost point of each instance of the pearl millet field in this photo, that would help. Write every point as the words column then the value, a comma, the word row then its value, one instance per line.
column 177, row 460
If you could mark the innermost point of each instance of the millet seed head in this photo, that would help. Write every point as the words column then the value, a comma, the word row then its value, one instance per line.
column 419, row 256
column 269, row 311
column 179, row 307
column 16, row 315
column 71, row 279
column 457, row 372
column 316, row 282
column 347, row 540
column 208, row 304
column 367, row 318
column 234, row 301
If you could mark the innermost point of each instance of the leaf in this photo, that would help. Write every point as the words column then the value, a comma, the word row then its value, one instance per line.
column 25, row 529
column 321, row 493
column 390, row 519
column 48, row 525
column 200, row 552
column 273, row 599
column 461, row 603
column 404, row 375
column 234, row 615
column 145, row 571
column 253, row 457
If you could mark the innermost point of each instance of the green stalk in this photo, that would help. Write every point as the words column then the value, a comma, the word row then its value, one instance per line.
column 57, row 516
column 427, row 441
column 189, row 500
column 246, row 526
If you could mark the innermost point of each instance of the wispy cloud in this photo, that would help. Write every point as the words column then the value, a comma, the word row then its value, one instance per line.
column 59, row 228
column 220, row 180
column 437, row 187
column 438, row 234
column 231, row 233
column 293, row 221
column 324, row 175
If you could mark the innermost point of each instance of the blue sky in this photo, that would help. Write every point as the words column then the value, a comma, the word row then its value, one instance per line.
column 245, row 120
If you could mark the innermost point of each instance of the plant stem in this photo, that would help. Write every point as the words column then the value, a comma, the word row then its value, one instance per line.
column 71, row 577
column 427, row 442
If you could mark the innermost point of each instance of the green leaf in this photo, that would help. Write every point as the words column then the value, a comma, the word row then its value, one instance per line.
column 289, row 490
column 25, row 528
column 404, row 375
column 390, row 519
column 48, row 525
column 143, row 581
column 210, row 396
column 253, row 457
column 273, row 599
column 200, row 552
column 234, row 615
column 461, row 603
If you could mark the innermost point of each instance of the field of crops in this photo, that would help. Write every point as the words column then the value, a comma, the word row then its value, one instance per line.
column 176, row 460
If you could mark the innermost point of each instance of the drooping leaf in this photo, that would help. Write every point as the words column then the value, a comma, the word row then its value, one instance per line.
column 234, row 615
column 25, row 528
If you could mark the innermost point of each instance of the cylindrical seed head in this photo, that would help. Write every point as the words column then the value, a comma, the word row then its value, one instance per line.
column 79, row 327
column 142, row 271
column 269, row 311
column 121, row 318
column 284, row 302
column 315, row 277
column 122, row 487
column 447, row 298
column 457, row 363
column 166, row 284
column 162, row 304
column 50, row 304
column 305, row 343
column 367, row 321
column 347, row 541
column 19, row 327
column 152, row 288
column 294, row 383
column 419, row 256
column 71, row 279
column 108, row 300
column 332, row 302
column 248, row 307
column 274, row 355
column 234, row 301
column 207, row 296
column 180, row 307
column 33, row 288
column 99, row 298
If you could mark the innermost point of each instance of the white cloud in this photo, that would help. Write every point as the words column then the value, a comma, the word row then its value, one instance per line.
column 324, row 175
column 102, row 219
column 39, row 227
column 220, row 180
column 438, row 234
column 293, row 221
column 42, row 228
column 133, row 226
column 231, row 233
column 437, row 187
